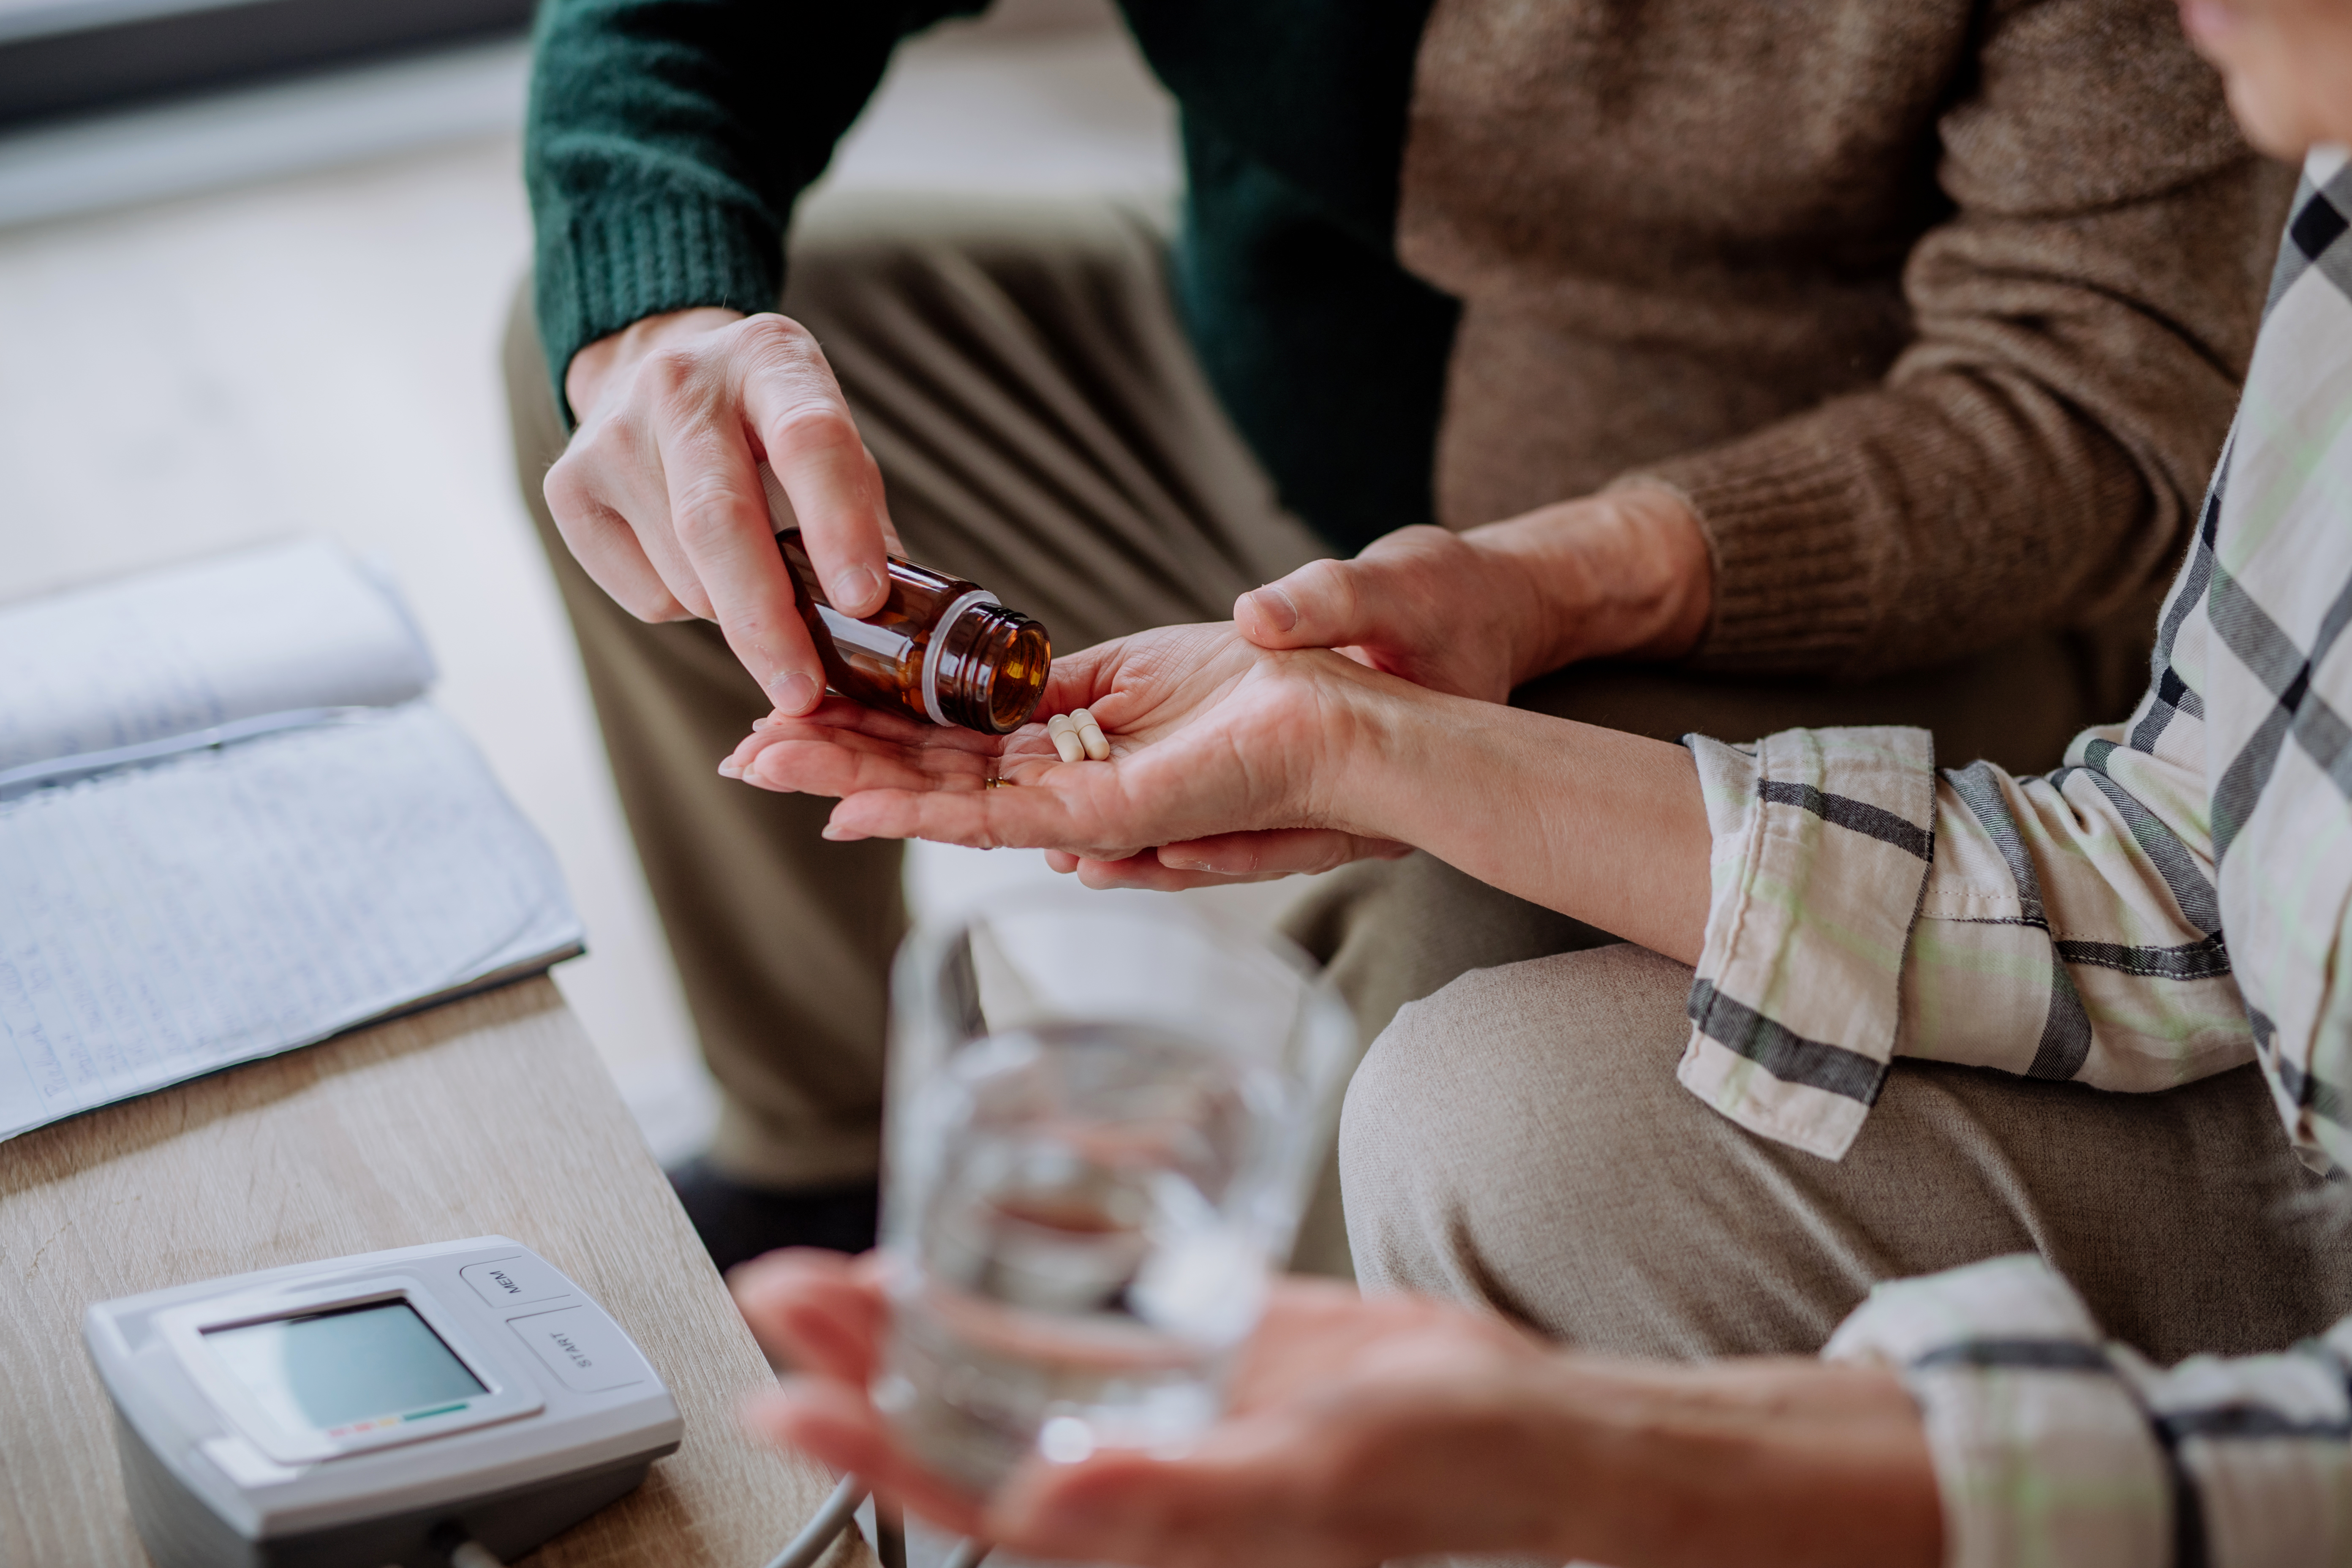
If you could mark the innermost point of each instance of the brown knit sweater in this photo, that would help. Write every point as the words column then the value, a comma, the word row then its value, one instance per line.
column 1936, row 312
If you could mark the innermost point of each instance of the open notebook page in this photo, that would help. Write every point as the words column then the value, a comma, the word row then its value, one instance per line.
column 281, row 629
column 164, row 921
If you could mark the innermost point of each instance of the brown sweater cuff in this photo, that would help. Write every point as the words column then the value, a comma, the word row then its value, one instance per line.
column 1784, row 520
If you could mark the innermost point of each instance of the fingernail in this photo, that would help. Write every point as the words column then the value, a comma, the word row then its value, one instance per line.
column 1184, row 863
column 1276, row 606
column 762, row 722
column 839, row 833
column 729, row 768
column 855, row 586
column 793, row 692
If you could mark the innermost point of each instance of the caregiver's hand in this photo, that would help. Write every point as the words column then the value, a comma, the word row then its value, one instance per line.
column 1212, row 737
column 659, row 495
column 1624, row 572
column 1365, row 1429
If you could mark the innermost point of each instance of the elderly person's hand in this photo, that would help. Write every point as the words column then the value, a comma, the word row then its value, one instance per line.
column 1359, row 1429
column 1221, row 747
column 1212, row 739
column 1626, row 572
column 1472, row 614
column 659, row 496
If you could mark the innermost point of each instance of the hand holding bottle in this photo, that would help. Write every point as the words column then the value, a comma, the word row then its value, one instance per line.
column 658, row 494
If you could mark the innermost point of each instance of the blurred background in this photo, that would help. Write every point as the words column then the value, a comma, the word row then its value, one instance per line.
column 255, row 256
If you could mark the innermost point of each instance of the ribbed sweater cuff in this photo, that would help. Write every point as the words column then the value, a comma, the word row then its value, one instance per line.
column 599, row 270
column 1786, row 522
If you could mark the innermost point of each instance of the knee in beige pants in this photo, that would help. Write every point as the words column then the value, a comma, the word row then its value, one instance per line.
column 1518, row 1139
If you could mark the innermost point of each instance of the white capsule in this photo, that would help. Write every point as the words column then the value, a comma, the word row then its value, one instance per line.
column 1090, row 735
column 1065, row 736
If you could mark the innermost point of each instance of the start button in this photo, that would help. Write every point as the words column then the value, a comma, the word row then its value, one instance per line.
column 583, row 1347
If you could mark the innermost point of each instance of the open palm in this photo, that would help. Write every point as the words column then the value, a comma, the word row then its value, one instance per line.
column 1210, row 736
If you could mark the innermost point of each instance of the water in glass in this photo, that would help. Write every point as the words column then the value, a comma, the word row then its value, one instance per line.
column 1081, row 1273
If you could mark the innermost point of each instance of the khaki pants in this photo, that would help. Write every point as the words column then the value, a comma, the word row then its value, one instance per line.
column 1518, row 1139
column 1043, row 430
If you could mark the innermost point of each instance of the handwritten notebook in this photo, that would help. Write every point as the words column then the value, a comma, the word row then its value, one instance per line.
column 230, row 826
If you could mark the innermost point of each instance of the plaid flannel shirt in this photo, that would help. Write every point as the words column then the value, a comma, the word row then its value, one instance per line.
column 2071, row 927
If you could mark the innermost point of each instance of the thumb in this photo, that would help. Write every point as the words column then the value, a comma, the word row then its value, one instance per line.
column 1324, row 604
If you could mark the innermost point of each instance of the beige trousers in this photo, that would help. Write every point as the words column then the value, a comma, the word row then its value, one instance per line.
column 1518, row 1139
column 1043, row 430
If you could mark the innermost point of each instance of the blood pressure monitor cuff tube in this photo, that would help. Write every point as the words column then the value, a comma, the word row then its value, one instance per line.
column 374, row 1410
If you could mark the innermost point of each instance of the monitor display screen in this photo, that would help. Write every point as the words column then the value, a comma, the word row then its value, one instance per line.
column 326, row 1371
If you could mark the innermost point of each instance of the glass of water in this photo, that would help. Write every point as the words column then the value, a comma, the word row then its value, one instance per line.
column 1105, row 1113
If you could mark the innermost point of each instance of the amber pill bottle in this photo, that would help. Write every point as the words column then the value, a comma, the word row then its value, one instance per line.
column 938, row 648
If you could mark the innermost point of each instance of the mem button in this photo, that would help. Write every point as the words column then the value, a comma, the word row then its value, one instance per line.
column 515, row 1281
column 583, row 1347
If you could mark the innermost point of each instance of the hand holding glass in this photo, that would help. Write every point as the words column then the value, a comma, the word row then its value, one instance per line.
column 1104, row 1114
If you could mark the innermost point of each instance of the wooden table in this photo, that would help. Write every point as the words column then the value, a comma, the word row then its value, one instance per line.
column 490, row 1115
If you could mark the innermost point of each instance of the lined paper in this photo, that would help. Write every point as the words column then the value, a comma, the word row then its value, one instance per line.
column 166, row 921
column 230, row 826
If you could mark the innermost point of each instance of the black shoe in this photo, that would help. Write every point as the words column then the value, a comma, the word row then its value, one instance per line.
column 737, row 1221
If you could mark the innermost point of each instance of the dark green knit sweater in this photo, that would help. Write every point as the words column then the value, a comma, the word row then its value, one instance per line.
column 668, row 139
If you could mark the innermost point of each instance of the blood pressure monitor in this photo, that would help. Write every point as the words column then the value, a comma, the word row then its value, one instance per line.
column 374, row 1410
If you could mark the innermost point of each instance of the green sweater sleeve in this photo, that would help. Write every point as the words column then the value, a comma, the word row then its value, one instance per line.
column 667, row 140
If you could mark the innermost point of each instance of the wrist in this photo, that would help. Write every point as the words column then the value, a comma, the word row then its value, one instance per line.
column 596, row 366
column 1765, row 1462
column 1372, row 784
column 1607, row 827
column 1626, row 573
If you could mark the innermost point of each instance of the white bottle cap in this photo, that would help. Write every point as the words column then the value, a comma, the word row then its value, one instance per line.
column 932, row 653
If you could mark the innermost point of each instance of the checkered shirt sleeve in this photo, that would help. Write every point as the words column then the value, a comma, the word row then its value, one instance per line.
column 2055, row 1445
column 2170, row 902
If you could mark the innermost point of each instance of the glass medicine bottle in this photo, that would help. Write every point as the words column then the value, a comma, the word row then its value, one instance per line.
column 938, row 648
